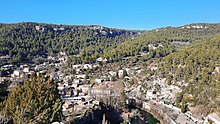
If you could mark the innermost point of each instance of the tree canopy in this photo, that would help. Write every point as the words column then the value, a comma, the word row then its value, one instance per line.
column 35, row 101
column 199, row 67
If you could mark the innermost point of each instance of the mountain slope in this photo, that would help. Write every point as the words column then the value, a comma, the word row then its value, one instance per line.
column 197, row 70
column 168, row 39
column 24, row 41
column 28, row 41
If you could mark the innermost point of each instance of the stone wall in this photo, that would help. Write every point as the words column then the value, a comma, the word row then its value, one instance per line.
column 158, row 113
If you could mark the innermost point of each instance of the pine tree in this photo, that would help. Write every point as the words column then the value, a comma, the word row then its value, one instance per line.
column 34, row 101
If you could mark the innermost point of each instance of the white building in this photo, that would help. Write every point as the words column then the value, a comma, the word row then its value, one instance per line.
column 112, row 73
column 85, row 88
column 146, row 105
column 214, row 118
column 75, row 85
column 16, row 73
column 82, row 76
column 87, row 66
column 60, row 86
column 99, row 59
column 76, row 66
column 121, row 73
column 97, row 80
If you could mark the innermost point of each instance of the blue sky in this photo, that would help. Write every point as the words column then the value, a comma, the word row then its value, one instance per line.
column 128, row 14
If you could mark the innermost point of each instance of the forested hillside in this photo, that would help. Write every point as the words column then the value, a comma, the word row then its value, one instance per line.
column 188, row 56
column 25, row 41
column 197, row 70
column 167, row 40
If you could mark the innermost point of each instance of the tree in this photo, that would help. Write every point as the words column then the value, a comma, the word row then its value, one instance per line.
column 122, row 100
column 3, row 90
column 183, row 107
column 35, row 101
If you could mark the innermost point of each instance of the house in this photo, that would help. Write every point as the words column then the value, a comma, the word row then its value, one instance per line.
column 95, row 66
column 38, row 67
column 37, row 27
column 76, row 66
column 111, row 78
column 51, row 58
column 152, row 46
column 75, row 93
column 128, row 71
column 96, row 102
column 62, row 53
column 26, row 70
column 82, row 107
column 76, row 99
column 62, row 29
column 45, row 63
column 151, row 94
column 68, row 93
column 112, row 73
column 2, row 79
column 99, row 59
column 67, row 105
column 57, row 65
column 8, row 66
column 77, row 81
column 54, row 75
column 152, row 66
column 31, row 72
column 16, row 73
column 75, row 85
column 62, row 59
column 214, row 118
column 87, row 66
column 82, row 76
column 81, row 94
column 68, row 77
column 217, row 69
column 60, row 86
column 146, row 105
column 85, row 88
column 121, row 73
column 97, row 80
column 57, row 122
column 101, row 91
column 105, row 60
column 108, row 88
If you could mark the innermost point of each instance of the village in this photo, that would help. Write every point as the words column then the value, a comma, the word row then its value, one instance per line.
column 84, row 86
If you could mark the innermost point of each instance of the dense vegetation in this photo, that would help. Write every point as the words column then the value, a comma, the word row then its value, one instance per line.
column 26, row 41
column 3, row 90
column 35, row 101
column 189, row 57
column 198, row 67
column 140, row 45
column 167, row 40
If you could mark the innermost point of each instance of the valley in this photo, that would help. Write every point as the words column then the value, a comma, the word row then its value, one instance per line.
column 171, row 72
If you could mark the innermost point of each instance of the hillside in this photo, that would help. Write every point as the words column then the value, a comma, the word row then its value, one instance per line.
column 196, row 69
column 167, row 39
column 180, row 64
column 25, row 41
column 29, row 42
